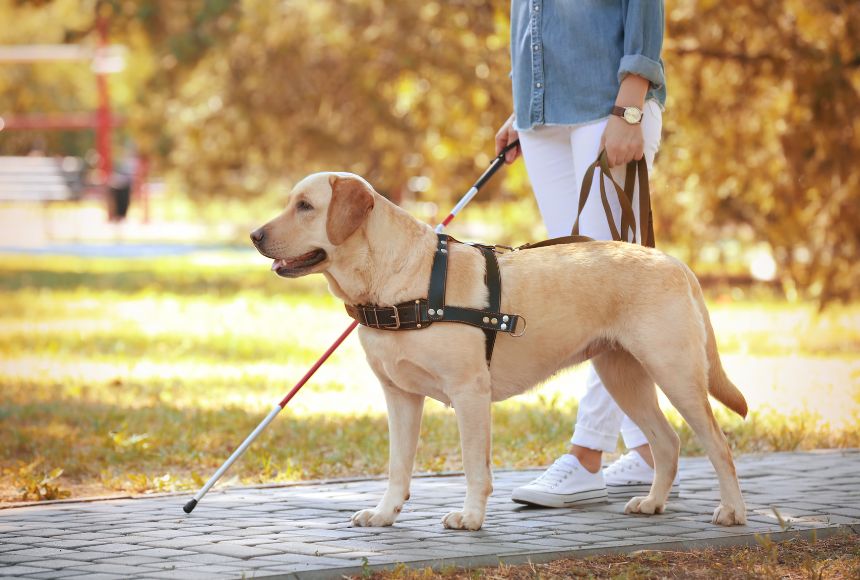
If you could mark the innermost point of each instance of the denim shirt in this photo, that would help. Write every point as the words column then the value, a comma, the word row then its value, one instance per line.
column 570, row 56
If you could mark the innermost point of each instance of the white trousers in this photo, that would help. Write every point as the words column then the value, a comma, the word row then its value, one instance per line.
column 556, row 158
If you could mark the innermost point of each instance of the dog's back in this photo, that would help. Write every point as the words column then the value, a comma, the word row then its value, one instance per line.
column 579, row 299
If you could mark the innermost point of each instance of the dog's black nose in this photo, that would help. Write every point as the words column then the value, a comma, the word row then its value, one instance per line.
column 257, row 236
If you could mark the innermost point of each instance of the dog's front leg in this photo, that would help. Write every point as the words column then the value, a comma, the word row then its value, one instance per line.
column 473, row 419
column 404, row 425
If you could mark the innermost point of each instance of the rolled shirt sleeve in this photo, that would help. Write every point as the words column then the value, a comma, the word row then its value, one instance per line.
column 643, row 41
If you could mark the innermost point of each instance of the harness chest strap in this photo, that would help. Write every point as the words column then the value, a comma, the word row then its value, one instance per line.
column 421, row 313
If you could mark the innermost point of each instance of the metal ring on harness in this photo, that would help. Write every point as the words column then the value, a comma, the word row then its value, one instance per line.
column 524, row 328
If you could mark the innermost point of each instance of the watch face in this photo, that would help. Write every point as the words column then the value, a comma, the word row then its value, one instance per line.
column 632, row 115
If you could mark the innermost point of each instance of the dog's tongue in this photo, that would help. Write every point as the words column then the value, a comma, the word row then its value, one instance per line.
column 278, row 264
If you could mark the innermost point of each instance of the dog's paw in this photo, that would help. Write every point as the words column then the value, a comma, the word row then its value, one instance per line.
column 728, row 516
column 644, row 505
column 372, row 519
column 463, row 521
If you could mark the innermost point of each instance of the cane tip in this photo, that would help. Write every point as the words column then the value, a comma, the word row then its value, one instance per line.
column 189, row 507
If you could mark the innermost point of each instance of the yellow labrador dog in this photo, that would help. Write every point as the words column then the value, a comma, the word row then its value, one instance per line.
column 637, row 313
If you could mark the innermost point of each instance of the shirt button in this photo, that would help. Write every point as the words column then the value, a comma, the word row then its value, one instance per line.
column 536, row 47
column 537, row 7
column 538, row 85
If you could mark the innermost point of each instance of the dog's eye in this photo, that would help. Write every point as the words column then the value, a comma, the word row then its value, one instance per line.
column 304, row 206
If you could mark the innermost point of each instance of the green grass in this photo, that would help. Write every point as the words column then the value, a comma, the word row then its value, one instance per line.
column 144, row 374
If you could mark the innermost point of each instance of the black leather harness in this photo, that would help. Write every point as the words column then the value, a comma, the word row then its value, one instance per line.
column 421, row 313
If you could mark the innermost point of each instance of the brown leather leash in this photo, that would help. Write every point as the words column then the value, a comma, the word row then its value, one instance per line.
column 625, row 199
column 635, row 169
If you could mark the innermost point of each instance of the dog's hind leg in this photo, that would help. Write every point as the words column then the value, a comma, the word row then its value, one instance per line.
column 404, row 425
column 682, row 375
column 634, row 391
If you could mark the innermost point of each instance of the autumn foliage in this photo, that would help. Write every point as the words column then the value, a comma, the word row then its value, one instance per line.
column 236, row 97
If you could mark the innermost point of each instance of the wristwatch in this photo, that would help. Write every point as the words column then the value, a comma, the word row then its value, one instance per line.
column 632, row 115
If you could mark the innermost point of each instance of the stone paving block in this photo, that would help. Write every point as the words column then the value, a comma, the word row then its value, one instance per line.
column 42, row 552
column 639, row 534
column 235, row 551
column 54, row 563
column 50, row 575
column 192, row 575
column 162, row 552
column 13, row 559
column 575, row 528
column 423, row 554
column 705, row 535
column 81, row 556
column 71, row 544
column 171, row 564
column 297, row 562
column 357, row 555
column 209, row 558
column 21, row 570
column 128, row 560
column 187, row 542
column 841, row 520
column 615, row 543
column 23, row 540
column 119, row 548
column 96, row 576
column 166, row 534
column 309, row 549
column 250, row 540
column 94, row 536
column 122, row 569
column 275, row 559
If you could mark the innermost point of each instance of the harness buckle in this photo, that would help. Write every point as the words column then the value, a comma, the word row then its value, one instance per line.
column 502, row 249
column 396, row 320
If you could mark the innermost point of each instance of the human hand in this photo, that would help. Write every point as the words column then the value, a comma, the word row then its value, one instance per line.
column 623, row 142
column 506, row 135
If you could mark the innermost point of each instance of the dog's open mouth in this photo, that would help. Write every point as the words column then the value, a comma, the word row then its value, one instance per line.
column 292, row 267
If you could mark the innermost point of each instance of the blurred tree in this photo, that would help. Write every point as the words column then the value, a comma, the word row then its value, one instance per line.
column 403, row 93
column 236, row 97
column 762, row 133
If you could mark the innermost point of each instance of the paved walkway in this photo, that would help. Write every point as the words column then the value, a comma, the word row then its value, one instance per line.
column 303, row 531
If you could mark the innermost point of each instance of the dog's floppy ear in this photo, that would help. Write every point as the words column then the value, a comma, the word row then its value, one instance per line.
column 351, row 200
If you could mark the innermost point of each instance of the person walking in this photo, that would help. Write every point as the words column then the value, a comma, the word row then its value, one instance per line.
column 586, row 76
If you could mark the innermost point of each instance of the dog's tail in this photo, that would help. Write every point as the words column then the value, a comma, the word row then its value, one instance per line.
column 719, row 384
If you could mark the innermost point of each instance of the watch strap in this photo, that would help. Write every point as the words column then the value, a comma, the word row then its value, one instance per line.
column 619, row 111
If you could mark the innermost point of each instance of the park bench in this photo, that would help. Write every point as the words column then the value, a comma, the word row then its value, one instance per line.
column 40, row 179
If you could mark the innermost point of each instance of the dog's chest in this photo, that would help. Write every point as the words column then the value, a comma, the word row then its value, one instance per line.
column 405, row 362
column 413, row 377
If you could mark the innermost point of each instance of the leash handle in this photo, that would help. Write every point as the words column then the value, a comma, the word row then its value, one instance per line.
column 635, row 169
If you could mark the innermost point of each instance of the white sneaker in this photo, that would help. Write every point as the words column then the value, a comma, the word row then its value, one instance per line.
column 630, row 475
column 566, row 483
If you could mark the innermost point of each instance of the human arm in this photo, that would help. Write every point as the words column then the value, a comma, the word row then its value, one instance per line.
column 639, row 70
column 624, row 142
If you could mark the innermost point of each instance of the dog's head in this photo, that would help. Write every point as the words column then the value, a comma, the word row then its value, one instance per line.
column 323, row 211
